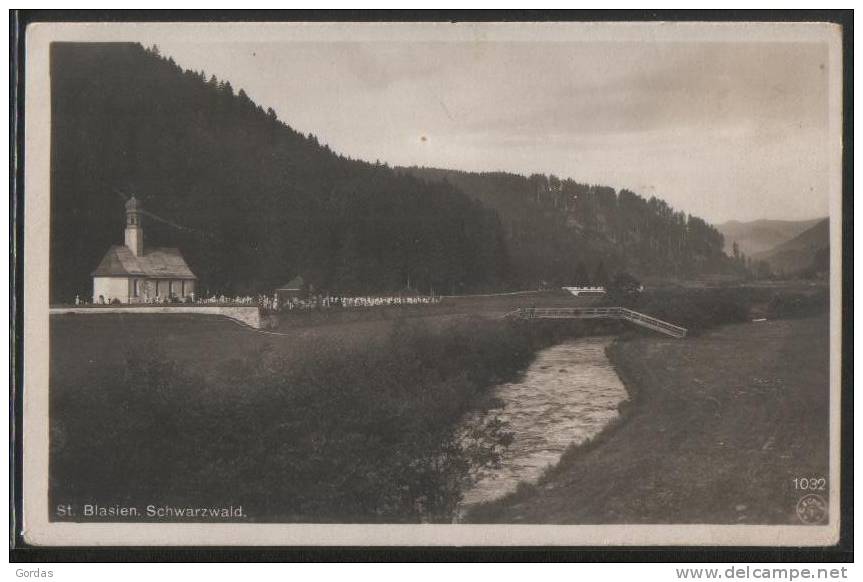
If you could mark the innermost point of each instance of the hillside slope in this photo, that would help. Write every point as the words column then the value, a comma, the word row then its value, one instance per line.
column 248, row 200
column 565, row 231
column 252, row 203
column 758, row 236
column 805, row 251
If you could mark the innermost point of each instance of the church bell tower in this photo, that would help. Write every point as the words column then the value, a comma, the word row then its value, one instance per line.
column 134, row 230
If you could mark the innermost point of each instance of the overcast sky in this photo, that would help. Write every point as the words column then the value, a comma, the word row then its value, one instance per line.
column 720, row 130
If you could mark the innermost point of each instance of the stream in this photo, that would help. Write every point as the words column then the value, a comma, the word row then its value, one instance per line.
column 567, row 395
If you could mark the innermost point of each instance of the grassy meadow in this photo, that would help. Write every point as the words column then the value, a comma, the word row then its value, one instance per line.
column 332, row 423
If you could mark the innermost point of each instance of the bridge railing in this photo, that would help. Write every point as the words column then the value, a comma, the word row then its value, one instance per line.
column 567, row 312
column 600, row 312
column 641, row 317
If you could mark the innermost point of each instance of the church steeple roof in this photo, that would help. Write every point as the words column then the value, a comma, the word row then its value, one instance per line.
column 133, row 204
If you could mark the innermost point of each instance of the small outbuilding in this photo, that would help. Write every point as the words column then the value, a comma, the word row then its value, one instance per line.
column 293, row 289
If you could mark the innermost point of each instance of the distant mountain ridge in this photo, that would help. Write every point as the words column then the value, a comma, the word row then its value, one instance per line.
column 759, row 236
column 806, row 251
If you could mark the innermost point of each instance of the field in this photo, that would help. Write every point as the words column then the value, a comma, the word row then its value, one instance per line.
column 351, row 422
column 718, row 428
column 351, row 415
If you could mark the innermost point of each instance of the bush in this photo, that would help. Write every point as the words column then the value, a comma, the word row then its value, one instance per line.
column 701, row 309
column 697, row 309
column 794, row 305
column 624, row 290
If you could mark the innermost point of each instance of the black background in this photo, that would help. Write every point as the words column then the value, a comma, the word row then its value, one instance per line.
column 21, row 552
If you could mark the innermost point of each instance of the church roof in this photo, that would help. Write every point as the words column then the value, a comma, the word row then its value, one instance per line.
column 155, row 263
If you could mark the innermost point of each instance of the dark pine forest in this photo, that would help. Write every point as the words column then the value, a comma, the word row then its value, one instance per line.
column 251, row 202
column 565, row 232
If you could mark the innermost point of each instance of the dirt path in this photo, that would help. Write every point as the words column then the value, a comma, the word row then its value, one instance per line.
column 720, row 426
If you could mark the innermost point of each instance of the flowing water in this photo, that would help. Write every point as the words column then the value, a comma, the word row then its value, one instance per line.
column 566, row 396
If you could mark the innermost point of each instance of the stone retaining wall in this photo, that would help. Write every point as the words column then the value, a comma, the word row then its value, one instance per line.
column 246, row 314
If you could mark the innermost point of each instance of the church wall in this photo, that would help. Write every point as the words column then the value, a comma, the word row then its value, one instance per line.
column 162, row 288
column 188, row 287
column 111, row 288
column 180, row 288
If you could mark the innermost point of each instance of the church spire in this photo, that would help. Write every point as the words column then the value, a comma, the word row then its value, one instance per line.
column 134, row 229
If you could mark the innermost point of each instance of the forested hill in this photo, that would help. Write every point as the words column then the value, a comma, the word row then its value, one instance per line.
column 249, row 201
column 562, row 230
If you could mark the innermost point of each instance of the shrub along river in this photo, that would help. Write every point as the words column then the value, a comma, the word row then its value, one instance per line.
column 568, row 395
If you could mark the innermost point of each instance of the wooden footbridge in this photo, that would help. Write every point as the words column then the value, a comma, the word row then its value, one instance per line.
column 600, row 313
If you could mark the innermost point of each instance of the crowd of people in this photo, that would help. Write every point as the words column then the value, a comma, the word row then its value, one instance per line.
column 273, row 303
column 339, row 301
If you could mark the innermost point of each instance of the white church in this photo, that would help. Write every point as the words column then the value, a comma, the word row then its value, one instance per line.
column 132, row 273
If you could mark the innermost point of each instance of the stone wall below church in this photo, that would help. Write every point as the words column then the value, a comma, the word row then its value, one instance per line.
column 248, row 315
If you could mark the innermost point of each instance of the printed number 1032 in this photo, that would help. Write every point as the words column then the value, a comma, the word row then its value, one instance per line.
column 810, row 483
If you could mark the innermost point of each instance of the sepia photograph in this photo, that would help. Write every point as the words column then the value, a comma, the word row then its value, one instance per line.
column 405, row 283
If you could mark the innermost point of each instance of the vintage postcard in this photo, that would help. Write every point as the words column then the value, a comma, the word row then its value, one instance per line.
column 443, row 284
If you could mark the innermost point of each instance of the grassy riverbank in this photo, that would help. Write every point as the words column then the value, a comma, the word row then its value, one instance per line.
column 718, row 428
column 335, row 423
